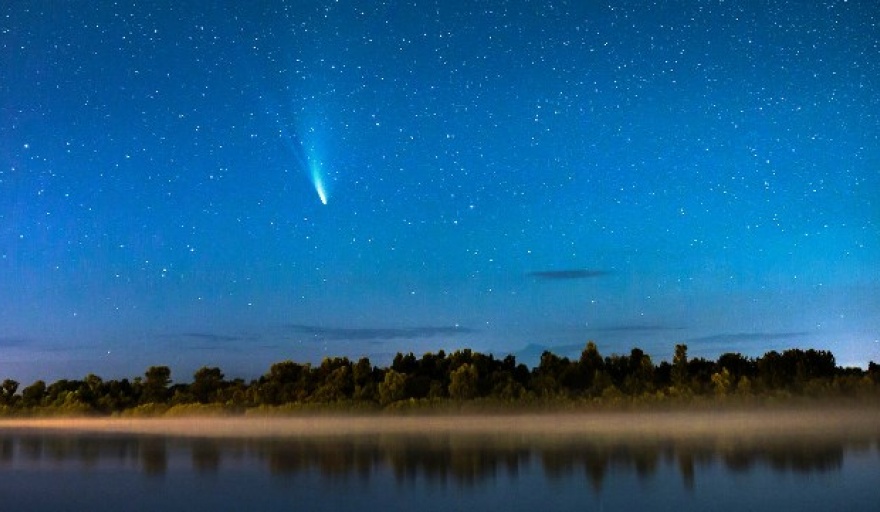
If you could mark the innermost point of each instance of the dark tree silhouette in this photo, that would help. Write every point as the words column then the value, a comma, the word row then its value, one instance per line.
column 463, row 382
column 207, row 385
column 32, row 395
column 680, row 368
column 7, row 392
column 155, row 385
column 466, row 375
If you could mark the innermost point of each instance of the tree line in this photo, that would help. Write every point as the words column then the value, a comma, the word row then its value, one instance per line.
column 458, row 377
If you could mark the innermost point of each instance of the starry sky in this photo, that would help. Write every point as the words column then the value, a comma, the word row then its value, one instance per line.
column 237, row 183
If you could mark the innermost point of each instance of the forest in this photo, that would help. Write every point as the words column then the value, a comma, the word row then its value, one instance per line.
column 463, row 378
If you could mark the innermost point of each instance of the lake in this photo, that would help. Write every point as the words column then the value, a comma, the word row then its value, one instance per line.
column 96, row 472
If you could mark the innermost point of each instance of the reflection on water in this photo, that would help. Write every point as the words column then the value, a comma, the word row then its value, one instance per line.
column 463, row 460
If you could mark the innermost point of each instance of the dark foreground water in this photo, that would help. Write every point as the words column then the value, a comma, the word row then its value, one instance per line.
column 425, row 473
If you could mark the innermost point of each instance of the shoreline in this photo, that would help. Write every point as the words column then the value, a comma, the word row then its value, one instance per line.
column 635, row 425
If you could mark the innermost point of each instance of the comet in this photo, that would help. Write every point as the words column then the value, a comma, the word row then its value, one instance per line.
column 306, row 159
column 318, row 182
column 302, row 140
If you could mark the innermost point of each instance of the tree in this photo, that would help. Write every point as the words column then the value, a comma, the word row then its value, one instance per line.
column 61, row 392
column 874, row 372
column 336, row 381
column 116, row 395
column 7, row 392
column 546, row 377
column 737, row 364
column 699, row 372
column 32, row 396
column 364, row 385
column 463, row 382
column 589, row 363
column 392, row 388
column 155, row 385
column 771, row 372
column 507, row 388
column 810, row 364
column 617, row 367
column 641, row 373
column 404, row 363
column 285, row 382
column 90, row 391
column 722, row 382
column 207, row 384
column 680, row 368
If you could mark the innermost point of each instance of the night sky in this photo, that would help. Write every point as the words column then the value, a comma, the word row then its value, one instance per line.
column 505, row 176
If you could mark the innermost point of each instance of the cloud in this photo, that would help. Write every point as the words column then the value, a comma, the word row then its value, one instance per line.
column 580, row 273
column 363, row 334
column 214, row 338
column 14, row 341
column 741, row 337
column 636, row 328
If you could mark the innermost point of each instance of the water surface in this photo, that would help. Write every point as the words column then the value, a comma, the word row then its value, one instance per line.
column 45, row 471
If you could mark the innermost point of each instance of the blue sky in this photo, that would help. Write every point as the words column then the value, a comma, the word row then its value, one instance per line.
column 497, row 175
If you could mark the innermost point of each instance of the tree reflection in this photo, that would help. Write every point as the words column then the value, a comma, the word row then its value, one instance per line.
column 206, row 456
column 154, row 456
column 798, row 457
column 7, row 447
column 464, row 460
column 331, row 459
column 437, row 459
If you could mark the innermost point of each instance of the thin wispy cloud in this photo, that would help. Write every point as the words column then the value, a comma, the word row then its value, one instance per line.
column 741, row 337
column 214, row 338
column 14, row 341
column 559, row 275
column 382, row 333
column 636, row 328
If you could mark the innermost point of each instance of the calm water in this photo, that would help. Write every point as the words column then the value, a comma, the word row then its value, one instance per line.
column 425, row 473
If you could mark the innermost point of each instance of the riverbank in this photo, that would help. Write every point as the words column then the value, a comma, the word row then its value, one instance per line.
column 672, row 425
